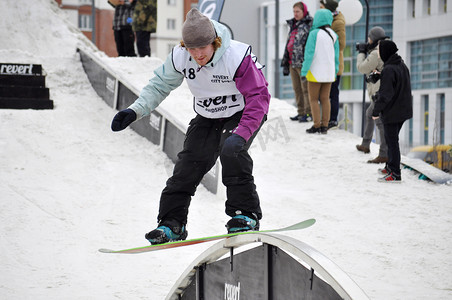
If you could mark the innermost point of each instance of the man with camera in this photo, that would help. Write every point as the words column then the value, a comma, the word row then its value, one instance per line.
column 371, row 65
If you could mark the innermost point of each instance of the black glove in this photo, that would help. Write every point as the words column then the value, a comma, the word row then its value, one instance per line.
column 362, row 47
column 123, row 119
column 233, row 145
column 375, row 97
column 286, row 71
column 373, row 77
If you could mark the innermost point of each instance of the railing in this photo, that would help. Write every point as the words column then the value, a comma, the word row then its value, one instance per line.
column 160, row 128
column 280, row 267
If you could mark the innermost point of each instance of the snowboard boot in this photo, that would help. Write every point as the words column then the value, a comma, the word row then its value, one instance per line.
column 240, row 223
column 167, row 231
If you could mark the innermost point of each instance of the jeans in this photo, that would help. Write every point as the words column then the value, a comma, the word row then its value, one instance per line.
column 320, row 91
column 143, row 46
column 392, row 131
column 125, row 40
column 334, row 99
column 300, row 88
column 369, row 131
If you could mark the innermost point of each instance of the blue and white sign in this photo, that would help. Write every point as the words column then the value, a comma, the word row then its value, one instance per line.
column 211, row 8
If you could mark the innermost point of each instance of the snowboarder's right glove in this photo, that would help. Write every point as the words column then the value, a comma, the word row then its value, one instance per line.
column 233, row 145
column 123, row 119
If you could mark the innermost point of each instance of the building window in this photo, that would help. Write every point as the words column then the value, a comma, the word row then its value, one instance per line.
column 440, row 117
column 428, row 7
column 171, row 24
column 412, row 8
column 442, row 6
column 85, row 2
column 431, row 63
column 84, row 23
column 424, row 100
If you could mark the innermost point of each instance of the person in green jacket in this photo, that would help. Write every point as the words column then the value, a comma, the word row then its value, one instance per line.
column 320, row 67
column 144, row 23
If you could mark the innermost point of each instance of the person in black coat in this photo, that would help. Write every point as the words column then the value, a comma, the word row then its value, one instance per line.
column 393, row 104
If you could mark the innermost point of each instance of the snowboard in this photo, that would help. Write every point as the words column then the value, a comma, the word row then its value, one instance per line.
column 296, row 226
column 425, row 170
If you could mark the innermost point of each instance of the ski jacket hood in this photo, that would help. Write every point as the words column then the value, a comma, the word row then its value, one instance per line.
column 223, row 32
column 323, row 17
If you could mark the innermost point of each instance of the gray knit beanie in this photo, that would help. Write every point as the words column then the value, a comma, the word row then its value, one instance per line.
column 377, row 33
column 198, row 30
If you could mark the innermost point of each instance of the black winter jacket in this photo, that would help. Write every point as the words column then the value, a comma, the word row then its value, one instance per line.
column 302, row 26
column 394, row 103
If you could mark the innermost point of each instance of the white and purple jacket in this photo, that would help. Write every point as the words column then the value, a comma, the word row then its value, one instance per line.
column 231, row 82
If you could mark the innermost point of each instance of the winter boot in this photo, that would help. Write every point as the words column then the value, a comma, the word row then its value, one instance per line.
column 305, row 118
column 378, row 160
column 313, row 130
column 242, row 222
column 323, row 129
column 363, row 148
column 167, row 231
column 332, row 124
column 296, row 118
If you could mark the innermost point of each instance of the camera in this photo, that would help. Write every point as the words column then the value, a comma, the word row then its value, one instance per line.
column 373, row 77
column 362, row 47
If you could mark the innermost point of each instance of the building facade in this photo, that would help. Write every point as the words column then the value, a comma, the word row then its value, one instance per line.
column 420, row 28
column 80, row 14
column 423, row 33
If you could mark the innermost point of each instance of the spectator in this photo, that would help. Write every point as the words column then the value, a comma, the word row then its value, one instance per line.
column 144, row 23
column 122, row 27
column 293, row 57
column 393, row 104
column 229, row 111
column 369, row 66
column 320, row 66
column 339, row 27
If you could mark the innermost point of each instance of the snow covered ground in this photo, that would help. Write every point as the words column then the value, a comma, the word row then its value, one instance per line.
column 69, row 185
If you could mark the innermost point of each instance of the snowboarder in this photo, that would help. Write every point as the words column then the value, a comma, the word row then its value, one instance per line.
column 231, row 100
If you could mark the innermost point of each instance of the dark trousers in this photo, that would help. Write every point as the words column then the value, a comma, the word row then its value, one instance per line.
column 143, row 46
column 202, row 146
column 392, row 131
column 125, row 40
column 334, row 99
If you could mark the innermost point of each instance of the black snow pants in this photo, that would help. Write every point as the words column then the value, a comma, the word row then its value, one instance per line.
column 202, row 146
